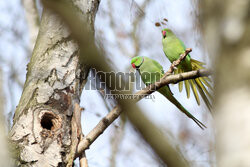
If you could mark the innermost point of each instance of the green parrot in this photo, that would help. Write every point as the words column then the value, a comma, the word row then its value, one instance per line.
column 173, row 47
column 151, row 71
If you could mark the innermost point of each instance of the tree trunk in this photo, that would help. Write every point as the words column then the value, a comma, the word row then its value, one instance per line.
column 42, row 133
column 227, row 27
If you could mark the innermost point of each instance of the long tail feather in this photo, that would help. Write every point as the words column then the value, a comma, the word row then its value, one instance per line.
column 191, row 81
column 197, row 66
column 206, row 83
column 201, row 91
column 200, row 84
column 187, row 86
column 180, row 86
column 199, row 123
column 167, row 93
column 177, row 71
column 208, row 79
column 198, row 62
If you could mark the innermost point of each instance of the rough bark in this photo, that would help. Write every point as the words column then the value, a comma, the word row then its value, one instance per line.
column 227, row 28
column 42, row 133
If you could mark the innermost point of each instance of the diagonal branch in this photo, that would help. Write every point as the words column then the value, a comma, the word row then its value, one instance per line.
column 116, row 111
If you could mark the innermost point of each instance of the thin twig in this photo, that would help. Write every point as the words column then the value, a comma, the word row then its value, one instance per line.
column 77, row 136
column 83, row 160
column 74, row 136
column 78, row 112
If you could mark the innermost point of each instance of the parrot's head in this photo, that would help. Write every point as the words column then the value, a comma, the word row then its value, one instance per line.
column 166, row 32
column 137, row 61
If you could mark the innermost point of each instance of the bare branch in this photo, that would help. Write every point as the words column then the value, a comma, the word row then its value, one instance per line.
column 75, row 129
column 82, row 158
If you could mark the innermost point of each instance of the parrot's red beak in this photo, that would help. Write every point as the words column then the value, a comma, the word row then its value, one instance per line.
column 164, row 34
column 133, row 65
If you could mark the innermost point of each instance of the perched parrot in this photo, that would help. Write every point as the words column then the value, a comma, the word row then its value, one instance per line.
column 173, row 47
column 151, row 71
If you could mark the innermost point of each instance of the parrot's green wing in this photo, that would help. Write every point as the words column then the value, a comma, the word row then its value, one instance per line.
column 173, row 47
column 151, row 71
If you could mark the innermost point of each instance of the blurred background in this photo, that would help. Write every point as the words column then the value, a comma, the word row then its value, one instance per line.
column 123, row 29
